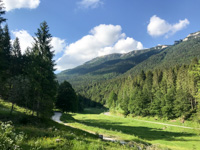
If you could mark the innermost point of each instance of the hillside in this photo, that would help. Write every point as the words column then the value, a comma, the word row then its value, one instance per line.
column 107, row 67
column 178, row 54
column 116, row 65
column 21, row 130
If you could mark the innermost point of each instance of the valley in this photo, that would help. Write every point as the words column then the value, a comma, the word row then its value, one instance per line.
column 171, row 135
column 100, row 75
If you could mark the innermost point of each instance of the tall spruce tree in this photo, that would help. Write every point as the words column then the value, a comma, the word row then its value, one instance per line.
column 16, row 59
column 17, row 80
column 16, row 51
column 5, row 60
column 2, row 70
column 42, row 70
column 195, row 71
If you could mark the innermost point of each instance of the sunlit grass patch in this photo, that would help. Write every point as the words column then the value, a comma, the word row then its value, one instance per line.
column 6, row 107
column 45, row 134
column 137, row 130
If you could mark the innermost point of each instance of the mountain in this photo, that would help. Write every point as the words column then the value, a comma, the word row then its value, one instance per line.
column 122, row 65
column 108, row 66
column 178, row 54
column 192, row 36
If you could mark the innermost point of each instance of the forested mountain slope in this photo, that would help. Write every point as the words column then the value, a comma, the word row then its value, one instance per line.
column 170, row 58
column 178, row 54
column 107, row 67
column 121, row 65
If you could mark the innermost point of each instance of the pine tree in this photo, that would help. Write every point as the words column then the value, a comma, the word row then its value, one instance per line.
column 124, row 105
column 16, row 59
column 5, row 60
column 193, row 80
column 155, row 109
column 196, row 73
column 41, row 72
column 16, row 48
column 66, row 99
column 112, row 100
column 198, row 93
column 171, row 78
column 148, row 86
column 2, row 12
column 167, row 104
column 16, row 79
column 132, row 105
column 182, row 105
column 157, row 78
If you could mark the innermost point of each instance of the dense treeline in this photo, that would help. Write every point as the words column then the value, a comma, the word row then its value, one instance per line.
column 67, row 99
column 167, row 93
column 27, row 79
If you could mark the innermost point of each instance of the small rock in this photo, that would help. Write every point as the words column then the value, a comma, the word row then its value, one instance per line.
column 59, row 140
column 101, row 136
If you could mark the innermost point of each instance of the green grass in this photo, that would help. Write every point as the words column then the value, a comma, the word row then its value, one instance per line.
column 187, row 123
column 133, row 130
column 43, row 133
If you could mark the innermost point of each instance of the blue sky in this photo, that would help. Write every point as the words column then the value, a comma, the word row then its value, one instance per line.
column 85, row 29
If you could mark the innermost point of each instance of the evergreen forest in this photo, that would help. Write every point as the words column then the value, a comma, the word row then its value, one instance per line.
column 28, row 79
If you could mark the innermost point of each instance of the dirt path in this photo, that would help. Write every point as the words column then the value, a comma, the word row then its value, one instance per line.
column 108, row 114
column 56, row 118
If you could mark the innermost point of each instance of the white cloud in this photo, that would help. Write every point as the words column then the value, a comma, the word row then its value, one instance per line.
column 179, row 26
column 158, row 27
column 26, row 40
column 89, row 3
column 17, row 4
column 58, row 44
column 102, row 40
column 126, row 45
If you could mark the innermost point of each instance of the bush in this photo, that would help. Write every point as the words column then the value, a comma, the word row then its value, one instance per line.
column 9, row 139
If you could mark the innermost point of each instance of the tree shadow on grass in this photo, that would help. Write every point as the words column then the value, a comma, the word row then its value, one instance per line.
column 55, row 131
column 68, row 118
column 94, row 110
column 145, row 133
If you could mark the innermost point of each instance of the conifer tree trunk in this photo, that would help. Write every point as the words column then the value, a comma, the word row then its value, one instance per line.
column 38, row 107
column 12, row 108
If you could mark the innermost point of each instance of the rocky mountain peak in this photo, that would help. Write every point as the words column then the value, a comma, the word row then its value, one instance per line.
column 192, row 36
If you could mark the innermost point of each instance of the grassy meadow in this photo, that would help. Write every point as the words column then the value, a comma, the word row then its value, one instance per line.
column 45, row 134
column 131, row 129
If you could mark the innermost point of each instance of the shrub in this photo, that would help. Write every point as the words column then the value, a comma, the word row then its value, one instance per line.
column 9, row 139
